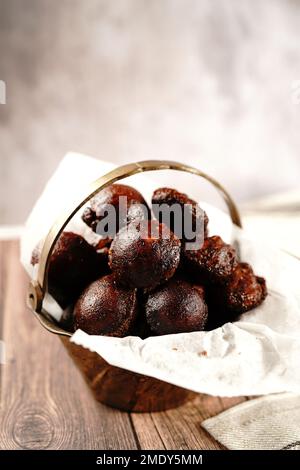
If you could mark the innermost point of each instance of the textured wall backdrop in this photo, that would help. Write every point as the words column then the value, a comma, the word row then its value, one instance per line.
column 204, row 81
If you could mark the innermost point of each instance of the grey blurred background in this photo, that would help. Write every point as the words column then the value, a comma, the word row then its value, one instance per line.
column 209, row 82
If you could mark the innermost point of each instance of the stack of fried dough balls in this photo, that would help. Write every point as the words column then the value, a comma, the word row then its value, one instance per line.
column 145, row 279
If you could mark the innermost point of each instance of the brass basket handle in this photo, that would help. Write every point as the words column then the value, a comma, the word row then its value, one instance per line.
column 38, row 288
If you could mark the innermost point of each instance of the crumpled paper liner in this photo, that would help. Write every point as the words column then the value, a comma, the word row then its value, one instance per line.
column 259, row 354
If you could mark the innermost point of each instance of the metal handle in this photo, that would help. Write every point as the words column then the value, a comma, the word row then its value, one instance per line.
column 38, row 288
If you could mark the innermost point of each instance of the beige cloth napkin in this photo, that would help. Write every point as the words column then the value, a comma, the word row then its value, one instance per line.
column 267, row 423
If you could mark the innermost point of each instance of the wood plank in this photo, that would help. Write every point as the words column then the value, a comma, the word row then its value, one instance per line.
column 148, row 435
column 229, row 402
column 45, row 402
column 181, row 428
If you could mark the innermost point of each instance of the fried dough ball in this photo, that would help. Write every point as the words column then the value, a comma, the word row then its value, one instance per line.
column 244, row 290
column 109, row 196
column 176, row 307
column 171, row 197
column 215, row 261
column 73, row 265
column 144, row 255
column 106, row 309
column 218, row 313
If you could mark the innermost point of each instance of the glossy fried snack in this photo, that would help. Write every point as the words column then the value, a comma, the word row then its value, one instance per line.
column 144, row 255
column 218, row 314
column 137, row 208
column 106, row 309
column 73, row 265
column 215, row 261
column 171, row 197
column 244, row 290
column 176, row 307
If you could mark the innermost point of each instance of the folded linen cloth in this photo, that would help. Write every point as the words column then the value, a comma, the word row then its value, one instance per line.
column 267, row 423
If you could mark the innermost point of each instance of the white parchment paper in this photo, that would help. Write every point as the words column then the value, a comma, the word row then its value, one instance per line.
column 259, row 354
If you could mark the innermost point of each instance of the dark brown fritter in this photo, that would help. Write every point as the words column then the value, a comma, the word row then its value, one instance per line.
column 218, row 313
column 171, row 197
column 244, row 290
column 110, row 197
column 215, row 261
column 176, row 307
column 143, row 260
column 73, row 265
column 106, row 309
column 189, row 273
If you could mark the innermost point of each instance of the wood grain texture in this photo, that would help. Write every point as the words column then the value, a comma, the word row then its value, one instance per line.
column 180, row 428
column 45, row 403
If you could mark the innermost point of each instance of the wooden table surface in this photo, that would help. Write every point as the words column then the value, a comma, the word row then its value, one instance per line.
column 45, row 403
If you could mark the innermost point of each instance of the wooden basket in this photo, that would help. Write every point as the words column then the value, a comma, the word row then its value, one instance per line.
column 111, row 385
